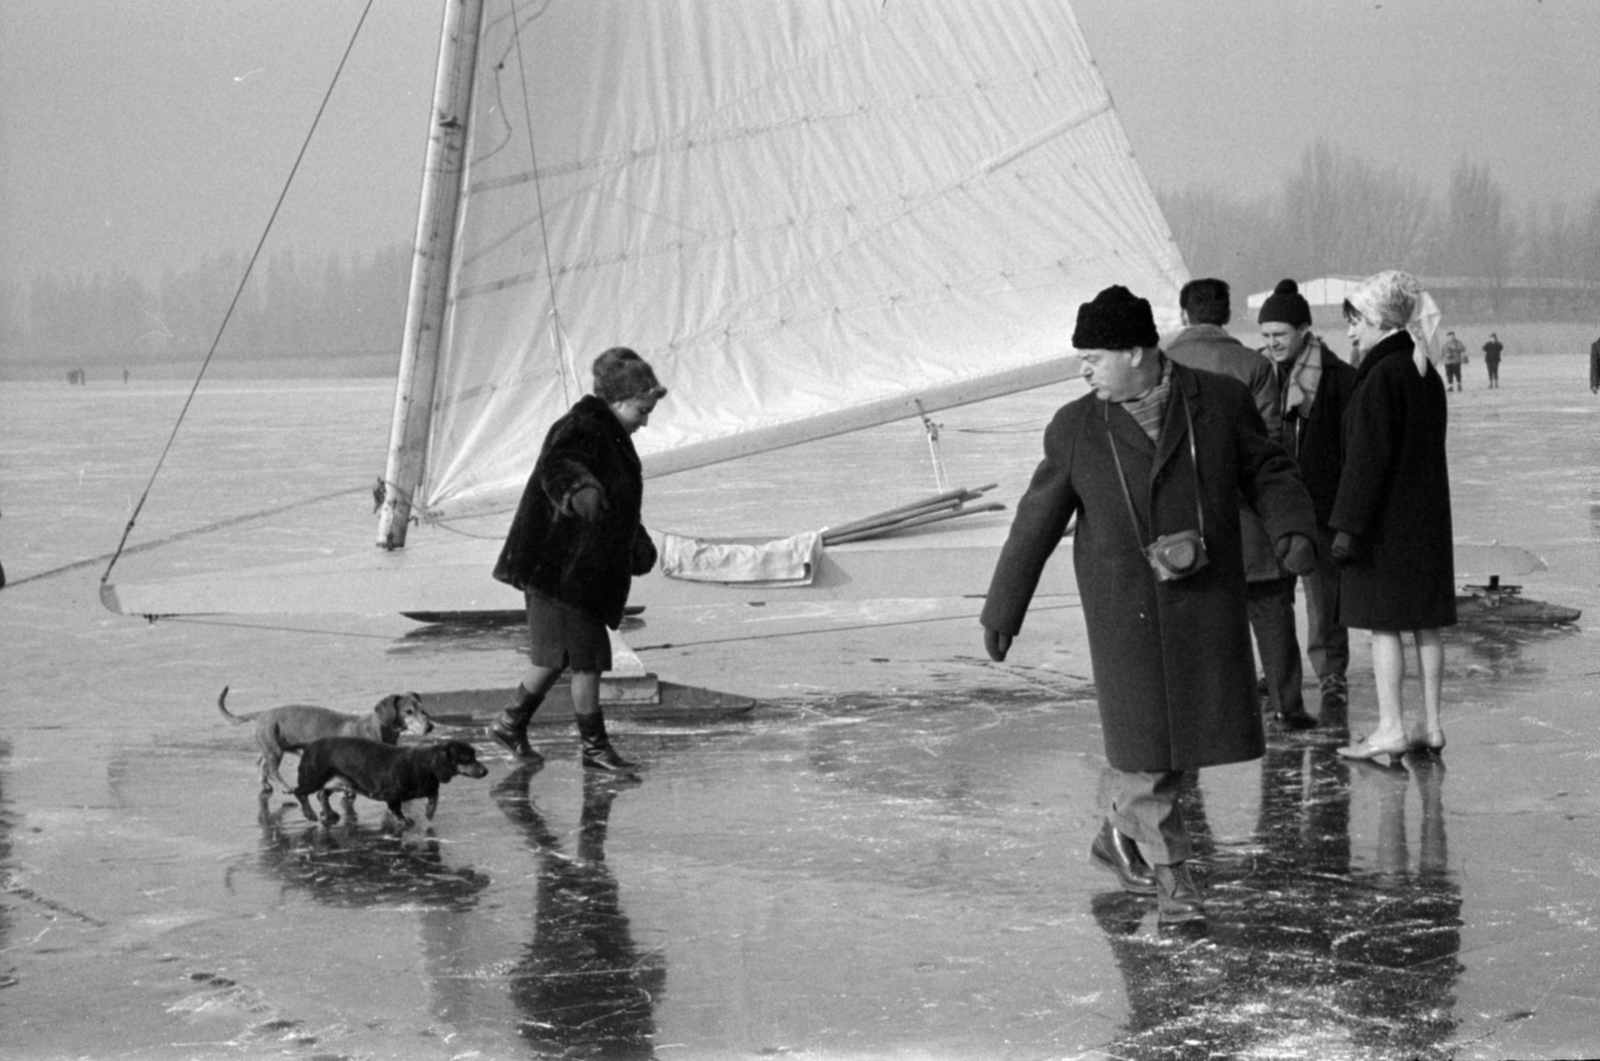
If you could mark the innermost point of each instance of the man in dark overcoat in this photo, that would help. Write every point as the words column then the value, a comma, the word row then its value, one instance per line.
column 1314, row 387
column 1156, row 449
column 1205, row 344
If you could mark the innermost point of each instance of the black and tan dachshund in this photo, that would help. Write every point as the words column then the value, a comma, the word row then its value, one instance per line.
column 381, row 772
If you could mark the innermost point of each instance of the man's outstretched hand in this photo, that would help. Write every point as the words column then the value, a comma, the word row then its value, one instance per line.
column 996, row 644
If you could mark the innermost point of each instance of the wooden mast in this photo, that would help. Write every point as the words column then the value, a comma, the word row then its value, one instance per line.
column 430, row 267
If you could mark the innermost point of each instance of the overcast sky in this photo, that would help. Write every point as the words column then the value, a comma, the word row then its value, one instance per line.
column 139, row 134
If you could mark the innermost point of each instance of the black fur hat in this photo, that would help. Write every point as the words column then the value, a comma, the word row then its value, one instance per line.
column 1117, row 319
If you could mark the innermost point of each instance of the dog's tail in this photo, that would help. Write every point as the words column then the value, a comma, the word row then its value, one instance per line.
column 222, row 705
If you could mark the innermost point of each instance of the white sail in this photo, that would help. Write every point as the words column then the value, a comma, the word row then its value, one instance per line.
column 791, row 209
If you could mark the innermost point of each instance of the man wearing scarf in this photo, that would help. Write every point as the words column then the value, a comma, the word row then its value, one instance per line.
column 1314, row 388
column 1156, row 449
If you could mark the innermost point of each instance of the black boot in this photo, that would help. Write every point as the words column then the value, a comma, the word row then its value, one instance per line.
column 1115, row 852
column 1179, row 896
column 598, row 754
column 510, row 730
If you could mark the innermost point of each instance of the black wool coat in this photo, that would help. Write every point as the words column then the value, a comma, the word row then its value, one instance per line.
column 1173, row 664
column 553, row 551
column 1394, row 496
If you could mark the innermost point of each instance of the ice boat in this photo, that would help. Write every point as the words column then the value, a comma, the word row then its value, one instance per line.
column 811, row 218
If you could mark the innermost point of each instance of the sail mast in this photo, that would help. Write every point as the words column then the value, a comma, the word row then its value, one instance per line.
column 430, row 267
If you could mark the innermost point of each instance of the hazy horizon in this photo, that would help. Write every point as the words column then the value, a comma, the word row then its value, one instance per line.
column 156, row 135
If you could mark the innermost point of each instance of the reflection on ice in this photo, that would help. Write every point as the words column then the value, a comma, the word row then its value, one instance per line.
column 354, row 865
column 1305, row 954
column 582, row 986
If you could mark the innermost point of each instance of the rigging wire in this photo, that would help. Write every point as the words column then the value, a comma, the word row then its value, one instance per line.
column 191, row 533
column 556, row 336
column 238, row 292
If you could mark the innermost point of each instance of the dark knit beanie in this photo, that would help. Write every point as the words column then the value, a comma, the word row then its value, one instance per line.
column 1286, row 305
column 620, row 374
column 1117, row 319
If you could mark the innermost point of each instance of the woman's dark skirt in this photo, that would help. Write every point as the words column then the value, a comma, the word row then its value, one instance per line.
column 559, row 636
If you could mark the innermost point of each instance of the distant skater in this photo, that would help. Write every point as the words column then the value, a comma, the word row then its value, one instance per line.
column 1491, row 359
column 1391, row 516
column 1594, row 367
column 1451, row 356
column 574, row 546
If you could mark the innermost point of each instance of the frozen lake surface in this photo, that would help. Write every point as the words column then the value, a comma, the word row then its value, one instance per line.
column 884, row 859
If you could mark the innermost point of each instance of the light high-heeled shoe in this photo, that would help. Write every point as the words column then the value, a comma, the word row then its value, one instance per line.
column 1365, row 749
column 1425, row 741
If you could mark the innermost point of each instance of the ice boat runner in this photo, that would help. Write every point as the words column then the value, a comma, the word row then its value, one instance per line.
column 813, row 218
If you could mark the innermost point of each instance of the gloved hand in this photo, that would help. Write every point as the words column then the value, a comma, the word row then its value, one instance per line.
column 996, row 644
column 1297, row 554
column 588, row 503
column 1344, row 547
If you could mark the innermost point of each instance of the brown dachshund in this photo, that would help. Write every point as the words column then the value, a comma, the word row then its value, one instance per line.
column 291, row 727
column 378, row 771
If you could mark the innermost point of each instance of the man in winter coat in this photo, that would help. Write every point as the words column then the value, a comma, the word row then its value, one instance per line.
column 1158, row 449
column 1314, row 387
column 1204, row 344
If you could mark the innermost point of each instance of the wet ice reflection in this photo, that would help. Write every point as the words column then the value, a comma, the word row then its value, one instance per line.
column 1306, row 952
column 581, row 985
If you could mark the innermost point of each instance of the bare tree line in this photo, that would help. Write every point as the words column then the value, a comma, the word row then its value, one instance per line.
column 1339, row 214
column 334, row 306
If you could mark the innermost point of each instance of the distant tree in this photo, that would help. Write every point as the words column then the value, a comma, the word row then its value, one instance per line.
column 1477, row 237
column 1343, row 214
column 1225, row 236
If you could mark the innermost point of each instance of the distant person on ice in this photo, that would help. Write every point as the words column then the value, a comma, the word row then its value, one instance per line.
column 1154, row 464
column 1594, row 367
column 574, row 546
column 1491, row 359
column 1451, row 356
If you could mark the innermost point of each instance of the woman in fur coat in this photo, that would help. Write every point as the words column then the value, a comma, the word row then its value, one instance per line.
column 574, row 546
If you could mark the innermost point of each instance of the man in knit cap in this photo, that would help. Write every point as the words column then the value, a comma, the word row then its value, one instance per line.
column 1205, row 344
column 1155, row 451
column 1314, row 388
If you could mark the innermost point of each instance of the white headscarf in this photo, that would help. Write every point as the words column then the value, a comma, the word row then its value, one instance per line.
column 1395, row 300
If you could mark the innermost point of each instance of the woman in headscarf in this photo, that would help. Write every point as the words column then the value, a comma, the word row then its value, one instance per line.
column 574, row 546
column 1391, row 516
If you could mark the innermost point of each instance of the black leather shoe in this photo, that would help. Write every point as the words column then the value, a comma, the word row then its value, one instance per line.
column 1115, row 852
column 1295, row 720
column 1177, row 894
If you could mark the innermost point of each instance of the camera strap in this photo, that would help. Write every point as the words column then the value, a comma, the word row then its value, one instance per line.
column 1122, row 478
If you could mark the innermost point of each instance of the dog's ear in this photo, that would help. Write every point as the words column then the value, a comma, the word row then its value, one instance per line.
column 388, row 710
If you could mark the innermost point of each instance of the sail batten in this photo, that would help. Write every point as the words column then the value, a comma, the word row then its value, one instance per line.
column 801, row 214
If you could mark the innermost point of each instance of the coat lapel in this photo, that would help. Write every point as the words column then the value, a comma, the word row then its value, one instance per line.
column 1175, row 425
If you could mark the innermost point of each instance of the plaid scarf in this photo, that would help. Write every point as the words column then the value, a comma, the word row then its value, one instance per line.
column 1150, row 408
column 1297, row 385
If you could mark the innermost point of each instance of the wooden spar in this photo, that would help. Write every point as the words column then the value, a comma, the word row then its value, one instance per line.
column 944, row 500
column 936, row 516
column 858, row 418
column 920, row 520
column 430, row 267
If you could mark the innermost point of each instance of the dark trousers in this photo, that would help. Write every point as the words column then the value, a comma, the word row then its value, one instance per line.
column 1327, row 640
column 1271, row 608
